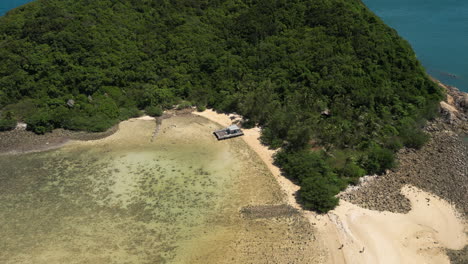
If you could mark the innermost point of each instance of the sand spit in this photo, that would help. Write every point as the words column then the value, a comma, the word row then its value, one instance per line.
column 126, row 130
column 21, row 141
column 356, row 235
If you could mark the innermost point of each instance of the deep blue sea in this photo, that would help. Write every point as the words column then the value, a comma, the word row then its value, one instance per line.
column 6, row 5
column 437, row 30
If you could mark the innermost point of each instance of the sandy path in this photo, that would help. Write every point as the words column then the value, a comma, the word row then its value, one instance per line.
column 366, row 236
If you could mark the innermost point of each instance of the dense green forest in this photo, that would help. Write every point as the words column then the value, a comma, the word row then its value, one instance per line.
column 327, row 80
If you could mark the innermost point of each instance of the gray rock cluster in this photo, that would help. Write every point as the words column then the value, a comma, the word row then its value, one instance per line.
column 440, row 167
column 268, row 211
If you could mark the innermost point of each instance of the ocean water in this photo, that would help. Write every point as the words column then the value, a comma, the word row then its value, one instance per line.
column 6, row 5
column 437, row 30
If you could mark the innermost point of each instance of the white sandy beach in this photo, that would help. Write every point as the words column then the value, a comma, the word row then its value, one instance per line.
column 367, row 236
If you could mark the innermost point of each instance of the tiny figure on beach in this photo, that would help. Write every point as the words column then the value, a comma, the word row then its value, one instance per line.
column 341, row 246
column 362, row 251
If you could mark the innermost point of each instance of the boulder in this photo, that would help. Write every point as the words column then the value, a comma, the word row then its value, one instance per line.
column 71, row 103
column 464, row 101
column 326, row 112
column 448, row 112
column 21, row 126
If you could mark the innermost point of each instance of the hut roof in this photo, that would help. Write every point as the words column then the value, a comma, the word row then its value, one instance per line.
column 233, row 127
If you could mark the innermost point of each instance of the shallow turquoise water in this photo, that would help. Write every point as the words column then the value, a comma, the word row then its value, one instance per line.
column 124, row 201
column 437, row 30
column 129, row 199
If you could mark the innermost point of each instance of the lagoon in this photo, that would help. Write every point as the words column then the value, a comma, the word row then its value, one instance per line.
column 183, row 197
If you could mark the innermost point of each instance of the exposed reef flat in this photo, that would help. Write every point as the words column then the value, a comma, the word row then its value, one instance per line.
column 129, row 199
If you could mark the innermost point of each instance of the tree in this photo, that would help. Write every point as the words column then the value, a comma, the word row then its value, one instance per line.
column 318, row 195
column 40, row 122
column 378, row 159
column 154, row 111
column 278, row 63
column 8, row 122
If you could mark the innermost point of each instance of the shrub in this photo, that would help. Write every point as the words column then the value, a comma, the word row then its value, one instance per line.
column 393, row 143
column 377, row 159
column 130, row 112
column 40, row 122
column 249, row 123
column 154, row 111
column 184, row 105
column 414, row 138
column 7, row 124
column 96, row 123
column 106, row 106
column 411, row 134
column 318, row 195
column 352, row 170
column 201, row 108
column 302, row 164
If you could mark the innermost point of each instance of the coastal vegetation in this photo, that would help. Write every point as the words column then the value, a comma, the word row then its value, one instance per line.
column 7, row 122
column 311, row 73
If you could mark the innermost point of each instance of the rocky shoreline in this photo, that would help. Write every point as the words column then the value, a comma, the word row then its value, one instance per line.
column 440, row 167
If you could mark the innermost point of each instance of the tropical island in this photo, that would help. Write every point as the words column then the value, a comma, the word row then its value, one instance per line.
column 336, row 92
column 282, row 65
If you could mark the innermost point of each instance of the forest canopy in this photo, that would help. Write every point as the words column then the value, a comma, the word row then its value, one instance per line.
column 325, row 73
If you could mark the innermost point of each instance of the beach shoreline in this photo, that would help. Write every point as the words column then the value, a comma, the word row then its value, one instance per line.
column 343, row 232
column 345, row 237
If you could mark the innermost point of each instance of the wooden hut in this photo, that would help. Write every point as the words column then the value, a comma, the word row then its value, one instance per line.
column 229, row 132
